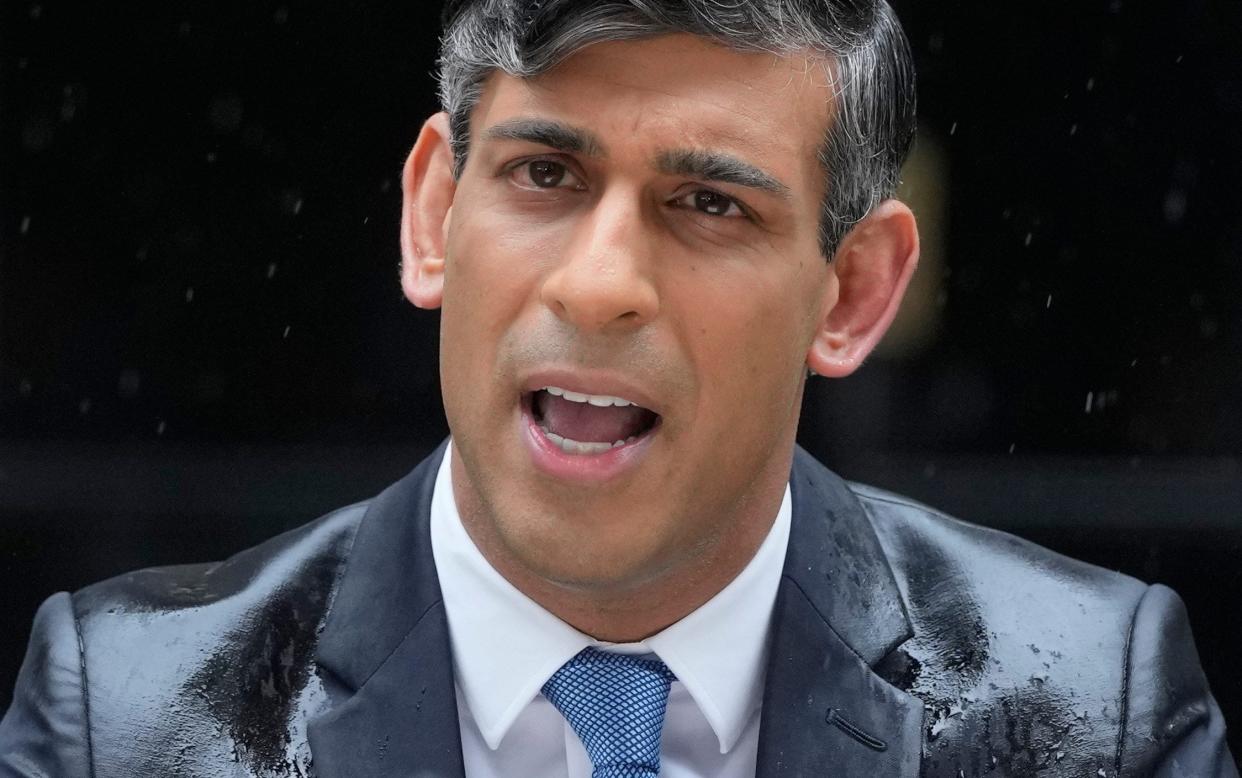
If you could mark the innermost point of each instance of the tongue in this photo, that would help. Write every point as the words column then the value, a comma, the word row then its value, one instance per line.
column 587, row 423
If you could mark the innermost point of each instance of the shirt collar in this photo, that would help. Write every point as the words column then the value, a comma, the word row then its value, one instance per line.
column 506, row 646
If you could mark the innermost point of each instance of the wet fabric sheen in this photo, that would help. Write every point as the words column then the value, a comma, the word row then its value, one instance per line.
column 904, row 644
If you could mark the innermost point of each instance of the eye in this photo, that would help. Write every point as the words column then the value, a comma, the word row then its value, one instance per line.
column 545, row 174
column 711, row 203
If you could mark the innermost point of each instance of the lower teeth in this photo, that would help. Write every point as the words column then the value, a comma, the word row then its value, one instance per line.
column 570, row 446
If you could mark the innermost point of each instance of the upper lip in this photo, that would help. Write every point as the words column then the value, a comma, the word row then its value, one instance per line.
column 586, row 381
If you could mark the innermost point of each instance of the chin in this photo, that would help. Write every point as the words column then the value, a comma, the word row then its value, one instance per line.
column 585, row 549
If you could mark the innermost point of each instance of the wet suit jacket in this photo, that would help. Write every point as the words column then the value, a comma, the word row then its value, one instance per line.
column 905, row 643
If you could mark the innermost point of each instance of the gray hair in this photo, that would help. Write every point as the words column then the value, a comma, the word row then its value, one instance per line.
column 866, row 53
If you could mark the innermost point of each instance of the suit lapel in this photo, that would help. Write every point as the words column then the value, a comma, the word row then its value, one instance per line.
column 838, row 612
column 386, row 646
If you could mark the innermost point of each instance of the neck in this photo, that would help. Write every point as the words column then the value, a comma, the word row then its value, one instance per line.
column 631, row 609
column 629, row 613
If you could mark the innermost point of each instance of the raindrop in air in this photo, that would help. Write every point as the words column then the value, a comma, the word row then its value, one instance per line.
column 291, row 202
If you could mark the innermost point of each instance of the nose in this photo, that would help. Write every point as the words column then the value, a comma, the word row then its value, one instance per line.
column 603, row 282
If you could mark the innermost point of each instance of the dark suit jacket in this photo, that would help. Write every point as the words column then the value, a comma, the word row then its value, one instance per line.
column 905, row 644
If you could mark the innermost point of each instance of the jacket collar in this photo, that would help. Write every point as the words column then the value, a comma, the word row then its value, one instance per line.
column 386, row 642
column 838, row 613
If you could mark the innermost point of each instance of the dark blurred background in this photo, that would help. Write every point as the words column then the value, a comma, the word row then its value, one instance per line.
column 202, row 339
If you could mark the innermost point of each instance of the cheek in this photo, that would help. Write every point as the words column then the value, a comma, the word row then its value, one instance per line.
column 491, row 274
column 752, row 367
column 753, row 336
column 481, row 298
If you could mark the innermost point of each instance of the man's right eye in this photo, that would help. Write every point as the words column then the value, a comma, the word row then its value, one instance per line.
column 545, row 174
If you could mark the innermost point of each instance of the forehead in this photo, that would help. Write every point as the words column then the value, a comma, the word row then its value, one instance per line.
column 677, row 91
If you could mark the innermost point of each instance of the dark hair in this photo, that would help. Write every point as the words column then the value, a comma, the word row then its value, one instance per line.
column 865, row 51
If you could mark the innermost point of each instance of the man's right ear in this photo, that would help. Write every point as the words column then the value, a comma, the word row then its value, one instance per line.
column 427, row 189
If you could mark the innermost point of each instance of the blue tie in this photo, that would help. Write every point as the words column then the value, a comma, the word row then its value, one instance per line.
column 616, row 705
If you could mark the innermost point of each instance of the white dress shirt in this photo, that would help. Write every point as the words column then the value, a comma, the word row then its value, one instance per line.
column 505, row 646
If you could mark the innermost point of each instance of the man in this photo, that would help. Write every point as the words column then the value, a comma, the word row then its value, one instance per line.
column 644, row 223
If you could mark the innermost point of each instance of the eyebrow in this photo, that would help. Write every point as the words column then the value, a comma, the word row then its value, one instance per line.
column 556, row 135
column 717, row 166
column 707, row 165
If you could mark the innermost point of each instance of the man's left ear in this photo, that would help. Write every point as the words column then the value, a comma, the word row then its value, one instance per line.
column 873, row 266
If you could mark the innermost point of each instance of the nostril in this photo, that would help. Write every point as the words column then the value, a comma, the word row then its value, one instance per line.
column 599, row 300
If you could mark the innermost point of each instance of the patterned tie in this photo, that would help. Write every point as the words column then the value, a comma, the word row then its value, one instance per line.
column 616, row 705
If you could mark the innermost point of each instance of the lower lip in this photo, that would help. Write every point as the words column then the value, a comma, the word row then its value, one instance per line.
column 586, row 468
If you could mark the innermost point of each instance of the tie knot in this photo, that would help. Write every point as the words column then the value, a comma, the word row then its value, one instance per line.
column 615, row 703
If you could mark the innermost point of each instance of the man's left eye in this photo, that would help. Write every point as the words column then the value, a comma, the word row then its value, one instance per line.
column 711, row 203
column 545, row 174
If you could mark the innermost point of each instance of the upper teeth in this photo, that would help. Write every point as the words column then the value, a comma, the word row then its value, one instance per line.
column 601, row 400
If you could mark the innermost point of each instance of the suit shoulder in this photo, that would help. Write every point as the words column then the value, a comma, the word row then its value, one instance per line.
column 924, row 537
column 165, row 649
column 1007, row 634
column 322, row 543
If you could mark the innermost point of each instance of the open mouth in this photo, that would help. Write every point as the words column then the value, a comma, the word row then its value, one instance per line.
column 588, row 424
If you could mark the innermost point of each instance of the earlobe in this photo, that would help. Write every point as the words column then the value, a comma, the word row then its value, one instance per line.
column 428, row 188
column 872, row 269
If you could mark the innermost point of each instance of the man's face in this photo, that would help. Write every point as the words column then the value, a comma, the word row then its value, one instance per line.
column 638, row 223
